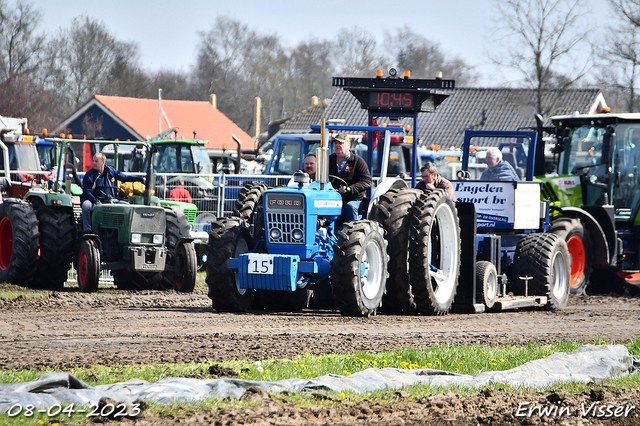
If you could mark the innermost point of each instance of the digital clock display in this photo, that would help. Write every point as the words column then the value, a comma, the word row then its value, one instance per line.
column 392, row 100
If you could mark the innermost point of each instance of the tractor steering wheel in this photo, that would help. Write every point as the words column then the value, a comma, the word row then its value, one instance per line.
column 332, row 178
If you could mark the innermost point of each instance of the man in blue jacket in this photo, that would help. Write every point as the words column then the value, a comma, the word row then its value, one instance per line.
column 498, row 169
column 100, row 185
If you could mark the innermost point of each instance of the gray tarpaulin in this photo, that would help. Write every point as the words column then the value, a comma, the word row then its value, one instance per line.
column 585, row 364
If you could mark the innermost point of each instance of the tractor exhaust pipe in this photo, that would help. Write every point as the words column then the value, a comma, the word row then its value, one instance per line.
column 322, row 157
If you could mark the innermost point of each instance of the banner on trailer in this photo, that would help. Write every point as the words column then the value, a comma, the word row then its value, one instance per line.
column 511, row 205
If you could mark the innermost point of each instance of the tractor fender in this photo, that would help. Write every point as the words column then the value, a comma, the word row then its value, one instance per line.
column 49, row 198
column 383, row 187
column 603, row 252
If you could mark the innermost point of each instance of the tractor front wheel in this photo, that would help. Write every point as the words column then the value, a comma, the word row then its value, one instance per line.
column 359, row 268
column 185, row 277
column 88, row 266
column 228, row 238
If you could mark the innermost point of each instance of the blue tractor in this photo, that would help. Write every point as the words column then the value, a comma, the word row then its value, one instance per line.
column 286, row 245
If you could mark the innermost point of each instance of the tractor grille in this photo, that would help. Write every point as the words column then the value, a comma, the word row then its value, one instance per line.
column 148, row 220
column 286, row 223
column 112, row 220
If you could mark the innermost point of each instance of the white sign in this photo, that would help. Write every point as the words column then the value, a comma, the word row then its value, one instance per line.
column 514, row 205
column 261, row 264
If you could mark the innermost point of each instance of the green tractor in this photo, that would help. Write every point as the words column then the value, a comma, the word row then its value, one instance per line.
column 594, row 191
column 145, row 246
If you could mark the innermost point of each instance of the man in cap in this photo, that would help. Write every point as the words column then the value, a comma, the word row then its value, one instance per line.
column 354, row 177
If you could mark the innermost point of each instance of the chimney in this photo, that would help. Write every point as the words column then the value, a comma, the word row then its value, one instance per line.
column 256, row 119
column 214, row 101
column 314, row 100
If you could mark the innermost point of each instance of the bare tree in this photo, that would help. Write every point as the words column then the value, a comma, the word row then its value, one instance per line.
column 83, row 57
column 357, row 54
column 539, row 39
column 20, row 46
column 309, row 74
column 424, row 58
column 619, row 55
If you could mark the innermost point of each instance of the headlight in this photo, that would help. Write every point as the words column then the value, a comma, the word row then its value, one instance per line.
column 275, row 234
column 297, row 234
column 136, row 238
column 157, row 239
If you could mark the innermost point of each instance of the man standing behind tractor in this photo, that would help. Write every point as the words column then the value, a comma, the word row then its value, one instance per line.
column 431, row 179
column 179, row 193
column 99, row 185
column 498, row 169
column 354, row 177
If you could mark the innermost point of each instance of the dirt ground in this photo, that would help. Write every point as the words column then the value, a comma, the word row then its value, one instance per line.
column 70, row 329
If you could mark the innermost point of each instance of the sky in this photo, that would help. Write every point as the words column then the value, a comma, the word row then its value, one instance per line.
column 167, row 30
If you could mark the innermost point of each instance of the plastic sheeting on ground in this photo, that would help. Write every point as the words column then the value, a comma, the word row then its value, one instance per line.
column 585, row 364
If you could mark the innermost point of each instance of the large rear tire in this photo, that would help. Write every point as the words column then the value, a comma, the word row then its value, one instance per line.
column 57, row 242
column 545, row 258
column 434, row 252
column 394, row 211
column 228, row 238
column 19, row 242
column 579, row 246
column 88, row 266
column 359, row 268
column 177, row 227
column 248, row 199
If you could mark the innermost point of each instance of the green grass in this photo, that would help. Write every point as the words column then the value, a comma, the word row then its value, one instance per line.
column 470, row 359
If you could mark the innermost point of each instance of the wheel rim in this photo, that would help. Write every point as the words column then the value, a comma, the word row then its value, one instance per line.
column 82, row 268
column 492, row 286
column 578, row 260
column 444, row 234
column 371, row 272
column 6, row 241
column 559, row 276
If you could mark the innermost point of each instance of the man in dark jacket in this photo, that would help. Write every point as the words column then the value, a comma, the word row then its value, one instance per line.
column 99, row 185
column 354, row 175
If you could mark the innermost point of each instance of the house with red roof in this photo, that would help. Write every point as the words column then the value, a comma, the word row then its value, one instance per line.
column 123, row 118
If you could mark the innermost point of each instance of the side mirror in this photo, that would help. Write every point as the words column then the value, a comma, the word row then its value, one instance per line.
column 607, row 148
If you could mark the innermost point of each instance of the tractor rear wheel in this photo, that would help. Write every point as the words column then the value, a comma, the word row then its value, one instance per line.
column 19, row 242
column 394, row 211
column 434, row 252
column 578, row 244
column 57, row 241
column 545, row 258
column 177, row 227
column 228, row 238
column 248, row 199
column 88, row 266
column 359, row 268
